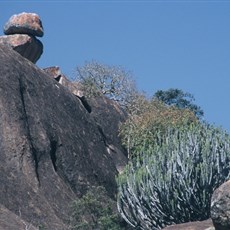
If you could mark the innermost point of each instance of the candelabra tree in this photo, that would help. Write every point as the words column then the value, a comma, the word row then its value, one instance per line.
column 173, row 182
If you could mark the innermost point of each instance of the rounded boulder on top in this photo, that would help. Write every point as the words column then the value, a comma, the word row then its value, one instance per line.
column 20, row 34
column 24, row 23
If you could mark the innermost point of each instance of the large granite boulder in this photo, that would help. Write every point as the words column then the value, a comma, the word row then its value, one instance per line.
column 220, row 207
column 20, row 31
column 24, row 23
column 28, row 46
column 197, row 225
column 51, row 148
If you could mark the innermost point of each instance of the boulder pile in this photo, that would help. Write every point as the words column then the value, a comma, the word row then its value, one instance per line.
column 20, row 32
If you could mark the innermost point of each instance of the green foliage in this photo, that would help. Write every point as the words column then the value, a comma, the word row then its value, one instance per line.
column 112, row 81
column 95, row 210
column 173, row 182
column 146, row 127
column 179, row 99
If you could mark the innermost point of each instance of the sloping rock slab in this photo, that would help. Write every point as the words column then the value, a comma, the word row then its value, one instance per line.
column 109, row 116
column 10, row 221
column 51, row 149
column 198, row 225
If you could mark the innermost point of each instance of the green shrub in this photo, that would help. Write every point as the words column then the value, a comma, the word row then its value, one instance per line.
column 147, row 128
column 95, row 210
column 173, row 182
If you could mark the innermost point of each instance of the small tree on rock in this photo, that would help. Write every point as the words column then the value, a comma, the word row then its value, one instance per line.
column 95, row 210
column 112, row 81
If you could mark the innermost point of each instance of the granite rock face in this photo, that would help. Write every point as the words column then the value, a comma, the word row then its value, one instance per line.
column 10, row 221
column 107, row 114
column 24, row 23
column 51, row 148
column 220, row 207
column 28, row 46
column 55, row 72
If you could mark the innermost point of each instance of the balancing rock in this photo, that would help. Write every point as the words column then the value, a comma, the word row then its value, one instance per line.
column 20, row 31
column 28, row 46
column 24, row 23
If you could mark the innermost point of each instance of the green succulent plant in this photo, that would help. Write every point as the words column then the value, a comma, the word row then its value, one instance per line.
column 173, row 182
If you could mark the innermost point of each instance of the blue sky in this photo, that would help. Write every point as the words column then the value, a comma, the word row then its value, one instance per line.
column 165, row 44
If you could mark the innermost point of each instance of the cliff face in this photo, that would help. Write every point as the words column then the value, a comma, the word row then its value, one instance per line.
column 51, row 148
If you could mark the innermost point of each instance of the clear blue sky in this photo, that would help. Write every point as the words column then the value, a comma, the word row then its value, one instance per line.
column 166, row 44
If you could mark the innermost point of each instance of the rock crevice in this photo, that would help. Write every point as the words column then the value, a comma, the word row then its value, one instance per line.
column 27, row 127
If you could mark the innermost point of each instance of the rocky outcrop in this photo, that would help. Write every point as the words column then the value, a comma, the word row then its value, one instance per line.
column 24, row 23
column 51, row 148
column 28, row 46
column 20, row 33
column 73, row 87
column 220, row 207
column 55, row 73
column 198, row 225
column 107, row 114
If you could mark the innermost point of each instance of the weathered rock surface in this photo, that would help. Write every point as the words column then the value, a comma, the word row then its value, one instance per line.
column 28, row 46
column 51, row 148
column 55, row 72
column 198, row 225
column 10, row 221
column 220, row 207
column 107, row 114
column 24, row 23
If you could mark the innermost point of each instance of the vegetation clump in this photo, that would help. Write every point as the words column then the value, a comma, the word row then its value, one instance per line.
column 173, row 182
column 146, row 129
column 95, row 210
column 179, row 99
column 113, row 82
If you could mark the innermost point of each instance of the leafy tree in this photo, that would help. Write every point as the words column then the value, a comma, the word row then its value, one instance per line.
column 173, row 182
column 95, row 210
column 112, row 81
column 145, row 128
column 180, row 99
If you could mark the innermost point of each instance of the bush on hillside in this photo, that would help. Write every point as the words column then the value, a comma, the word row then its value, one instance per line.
column 145, row 129
column 95, row 210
